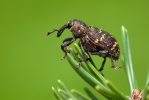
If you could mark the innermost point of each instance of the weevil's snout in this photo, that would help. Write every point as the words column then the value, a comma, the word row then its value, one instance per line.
column 68, row 25
column 60, row 31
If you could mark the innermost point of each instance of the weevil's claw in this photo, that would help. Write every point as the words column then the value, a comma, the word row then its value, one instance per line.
column 66, row 50
column 81, row 60
column 79, row 64
column 48, row 33
column 117, row 68
column 64, row 57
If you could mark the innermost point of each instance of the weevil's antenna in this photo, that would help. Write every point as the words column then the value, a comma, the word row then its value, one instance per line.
column 48, row 33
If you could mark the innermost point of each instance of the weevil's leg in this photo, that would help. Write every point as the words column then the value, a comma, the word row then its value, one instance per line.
column 113, row 65
column 66, row 43
column 112, row 62
column 87, row 57
column 68, row 39
column 103, row 63
column 102, row 53
column 102, row 66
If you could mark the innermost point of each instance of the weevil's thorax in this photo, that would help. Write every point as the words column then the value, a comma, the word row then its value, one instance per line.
column 78, row 28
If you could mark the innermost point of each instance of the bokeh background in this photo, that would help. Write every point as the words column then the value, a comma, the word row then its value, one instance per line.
column 30, row 61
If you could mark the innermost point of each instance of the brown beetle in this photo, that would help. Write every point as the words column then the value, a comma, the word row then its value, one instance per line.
column 92, row 39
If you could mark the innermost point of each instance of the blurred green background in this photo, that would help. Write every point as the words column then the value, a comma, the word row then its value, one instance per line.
column 30, row 62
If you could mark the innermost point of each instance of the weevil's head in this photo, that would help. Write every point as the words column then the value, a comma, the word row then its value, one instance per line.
column 77, row 28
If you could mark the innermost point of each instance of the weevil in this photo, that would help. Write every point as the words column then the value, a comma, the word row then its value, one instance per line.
column 92, row 39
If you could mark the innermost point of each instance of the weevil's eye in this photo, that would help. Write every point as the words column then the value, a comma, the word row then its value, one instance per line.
column 70, row 24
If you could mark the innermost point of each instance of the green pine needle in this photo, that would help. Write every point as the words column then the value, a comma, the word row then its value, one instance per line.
column 79, row 95
column 127, row 62
column 56, row 94
column 90, row 94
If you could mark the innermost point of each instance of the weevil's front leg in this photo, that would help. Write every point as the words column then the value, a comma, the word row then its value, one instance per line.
column 66, row 43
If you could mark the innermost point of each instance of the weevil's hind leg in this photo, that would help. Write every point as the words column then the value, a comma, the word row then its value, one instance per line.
column 113, row 65
column 102, row 66
column 66, row 43
column 100, row 53
column 103, row 53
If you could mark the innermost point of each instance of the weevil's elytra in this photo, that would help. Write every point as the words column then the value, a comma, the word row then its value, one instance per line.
column 92, row 39
column 96, row 41
column 102, row 37
column 100, row 31
column 115, row 44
